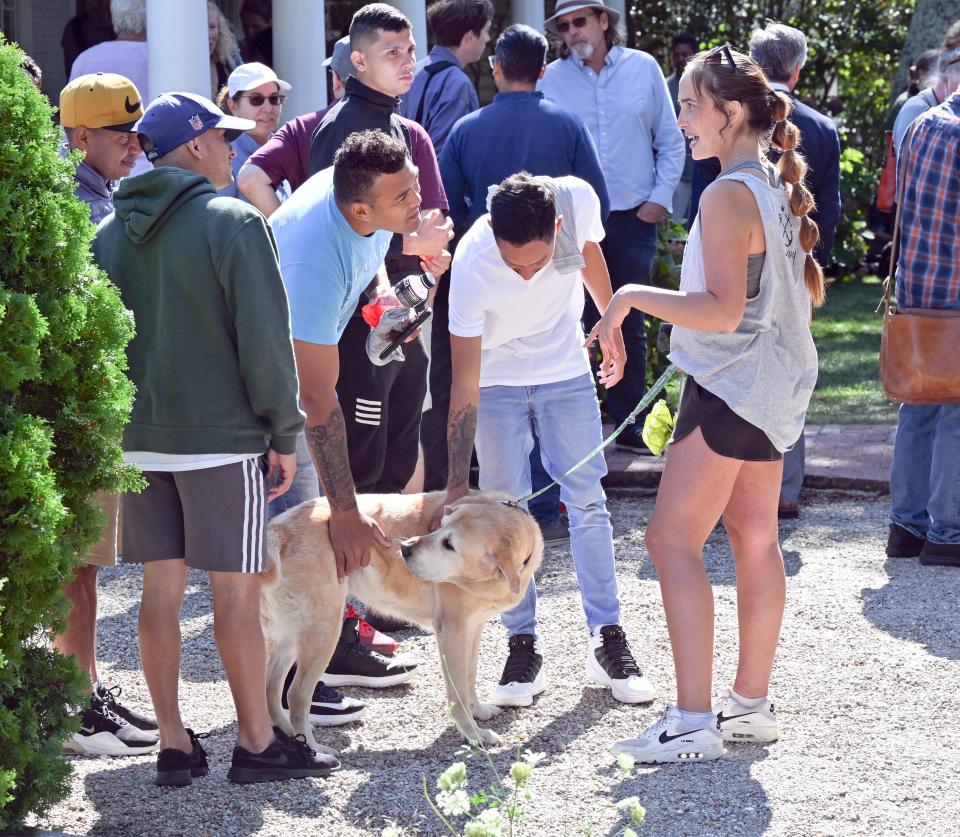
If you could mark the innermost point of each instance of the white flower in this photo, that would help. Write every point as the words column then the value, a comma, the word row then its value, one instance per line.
column 392, row 830
column 533, row 759
column 453, row 803
column 488, row 824
column 632, row 806
column 520, row 772
column 626, row 762
column 455, row 776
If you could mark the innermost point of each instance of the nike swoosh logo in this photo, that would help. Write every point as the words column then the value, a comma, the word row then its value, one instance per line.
column 721, row 717
column 665, row 739
column 131, row 108
column 277, row 760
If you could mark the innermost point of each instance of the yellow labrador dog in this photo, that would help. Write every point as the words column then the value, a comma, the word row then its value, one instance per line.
column 476, row 565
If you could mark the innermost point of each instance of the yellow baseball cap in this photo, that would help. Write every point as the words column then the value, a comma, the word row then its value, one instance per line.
column 100, row 100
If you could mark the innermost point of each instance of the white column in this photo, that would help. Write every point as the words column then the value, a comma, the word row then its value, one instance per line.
column 416, row 10
column 177, row 42
column 529, row 12
column 299, row 49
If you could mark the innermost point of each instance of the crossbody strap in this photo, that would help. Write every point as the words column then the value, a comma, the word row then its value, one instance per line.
column 431, row 70
column 890, row 282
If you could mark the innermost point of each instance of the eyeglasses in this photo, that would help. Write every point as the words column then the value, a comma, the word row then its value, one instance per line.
column 563, row 26
column 257, row 99
column 717, row 54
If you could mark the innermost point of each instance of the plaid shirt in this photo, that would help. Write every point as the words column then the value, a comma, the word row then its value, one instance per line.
column 928, row 270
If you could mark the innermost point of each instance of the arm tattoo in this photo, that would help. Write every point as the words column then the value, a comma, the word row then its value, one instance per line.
column 328, row 444
column 461, row 431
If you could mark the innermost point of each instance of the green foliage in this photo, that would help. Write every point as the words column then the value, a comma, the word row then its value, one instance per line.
column 64, row 400
column 854, row 52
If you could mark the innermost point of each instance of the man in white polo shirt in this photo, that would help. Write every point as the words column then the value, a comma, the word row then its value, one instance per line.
column 516, row 301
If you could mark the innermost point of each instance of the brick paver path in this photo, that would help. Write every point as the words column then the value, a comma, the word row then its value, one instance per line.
column 848, row 456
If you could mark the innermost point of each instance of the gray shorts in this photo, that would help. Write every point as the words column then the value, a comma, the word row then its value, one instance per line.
column 213, row 518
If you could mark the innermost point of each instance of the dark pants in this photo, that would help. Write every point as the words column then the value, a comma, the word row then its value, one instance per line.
column 433, row 428
column 629, row 248
column 381, row 407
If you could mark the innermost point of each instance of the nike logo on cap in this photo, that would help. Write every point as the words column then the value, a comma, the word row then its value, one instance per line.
column 131, row 108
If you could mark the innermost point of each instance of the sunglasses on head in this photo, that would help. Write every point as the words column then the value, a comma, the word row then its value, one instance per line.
column 563, row 26
column 717, row 56
column 257, row 99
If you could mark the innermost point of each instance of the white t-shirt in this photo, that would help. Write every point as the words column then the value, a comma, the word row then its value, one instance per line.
column 153, row 461
column 531, row 329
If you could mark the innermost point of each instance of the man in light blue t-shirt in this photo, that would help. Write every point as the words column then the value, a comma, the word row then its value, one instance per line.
column 332, row 236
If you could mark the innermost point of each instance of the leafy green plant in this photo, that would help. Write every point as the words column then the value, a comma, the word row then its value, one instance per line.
column 63, row 402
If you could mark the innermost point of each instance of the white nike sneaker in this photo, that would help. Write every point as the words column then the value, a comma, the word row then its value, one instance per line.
column 737, row 722
column 523, row 677
column 610, row 663
column 672, row 739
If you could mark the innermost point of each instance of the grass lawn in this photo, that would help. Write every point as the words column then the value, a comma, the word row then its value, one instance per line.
column 847, row 333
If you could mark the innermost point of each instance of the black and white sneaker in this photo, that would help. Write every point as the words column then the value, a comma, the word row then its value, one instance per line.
column 104, row 733
column 328, row 708
column 523, row 677
column 177, row 768
column 672, row 739
column 102, row 696
column 610, row 663
column 286, row 758
column 353, row 664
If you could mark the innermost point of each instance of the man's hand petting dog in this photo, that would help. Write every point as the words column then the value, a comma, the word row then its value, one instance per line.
column 452, row 495
column 352, row 535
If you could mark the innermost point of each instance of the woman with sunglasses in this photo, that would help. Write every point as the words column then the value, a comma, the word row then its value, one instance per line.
column 741, row 333
column 252, row 91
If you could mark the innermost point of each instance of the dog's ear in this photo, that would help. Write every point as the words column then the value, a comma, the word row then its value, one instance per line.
column 509, row 572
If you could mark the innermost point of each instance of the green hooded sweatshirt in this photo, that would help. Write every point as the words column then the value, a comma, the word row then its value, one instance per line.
column 212, row 358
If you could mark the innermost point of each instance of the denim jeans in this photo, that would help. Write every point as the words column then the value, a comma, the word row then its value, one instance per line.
column 306, row 484
column 629, row 248
column 546, row 507
column 566, row 418
column 925, row 475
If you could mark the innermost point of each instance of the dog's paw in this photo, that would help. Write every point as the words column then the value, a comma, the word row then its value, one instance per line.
column 489, row 738
column 485, row 711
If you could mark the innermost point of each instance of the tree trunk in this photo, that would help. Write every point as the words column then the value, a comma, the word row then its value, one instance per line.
column 930, row 21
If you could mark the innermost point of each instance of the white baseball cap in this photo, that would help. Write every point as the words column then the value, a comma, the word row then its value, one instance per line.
column 249, row 76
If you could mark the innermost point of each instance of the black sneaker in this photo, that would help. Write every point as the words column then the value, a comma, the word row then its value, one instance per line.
column 286, row 758
column 353, row 664
column 523, row 677
column 108, row 697
column 177, row 768
column 632, row 440
column 940, row 554
column 104, row 733
column 328, row 708
column 903, row 544
column 556, row 533
column 610, row 663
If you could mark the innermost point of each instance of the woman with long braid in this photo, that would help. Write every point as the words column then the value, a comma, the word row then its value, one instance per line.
column 741, row 333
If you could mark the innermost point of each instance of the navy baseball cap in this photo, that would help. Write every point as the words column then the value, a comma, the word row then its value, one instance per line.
column 172, row 119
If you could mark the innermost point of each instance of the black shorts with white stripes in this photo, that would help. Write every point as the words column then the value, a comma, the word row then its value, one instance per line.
column 213, row 518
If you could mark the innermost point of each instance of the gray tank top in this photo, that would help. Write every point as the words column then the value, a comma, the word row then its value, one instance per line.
column 766, row 369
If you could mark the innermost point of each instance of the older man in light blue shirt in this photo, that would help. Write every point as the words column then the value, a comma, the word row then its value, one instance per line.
column 622, row 97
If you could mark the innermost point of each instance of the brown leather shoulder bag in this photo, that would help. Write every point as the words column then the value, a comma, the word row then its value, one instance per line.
column 919, row 347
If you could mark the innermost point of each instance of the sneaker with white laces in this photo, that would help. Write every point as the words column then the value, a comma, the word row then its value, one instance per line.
column 737, row 722
column 353, row 664
column 104, row 696
column 522, row 679
column 672, row 739
column 104, row 733
column 610, row 663
column 328, row 708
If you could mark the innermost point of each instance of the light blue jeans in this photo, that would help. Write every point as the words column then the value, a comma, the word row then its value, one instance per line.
column 566, row 417
column 306, row 484
column 925, row 475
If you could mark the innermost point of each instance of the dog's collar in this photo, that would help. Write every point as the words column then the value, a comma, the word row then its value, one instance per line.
column 513, row 504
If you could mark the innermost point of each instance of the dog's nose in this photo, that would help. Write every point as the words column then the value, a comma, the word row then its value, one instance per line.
column 406, row 551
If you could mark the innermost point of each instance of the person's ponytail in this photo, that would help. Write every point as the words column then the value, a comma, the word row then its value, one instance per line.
column 792, row 168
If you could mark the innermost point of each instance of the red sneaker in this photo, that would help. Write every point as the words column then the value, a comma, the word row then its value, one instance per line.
column 370, row 636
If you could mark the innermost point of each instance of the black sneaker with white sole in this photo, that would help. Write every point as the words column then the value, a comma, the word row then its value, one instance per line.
column 178, row 769
column 353, row 664
column 328, row 708
column 522, row 679
column 104, row 733
column 286, row 758
column 102, row 696
column 610, row 663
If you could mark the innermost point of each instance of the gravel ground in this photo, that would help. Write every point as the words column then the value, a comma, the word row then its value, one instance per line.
column 867, row 684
